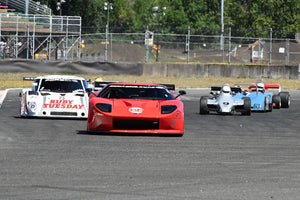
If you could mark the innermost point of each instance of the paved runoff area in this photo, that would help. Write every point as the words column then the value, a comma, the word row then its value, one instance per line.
column 219, row 157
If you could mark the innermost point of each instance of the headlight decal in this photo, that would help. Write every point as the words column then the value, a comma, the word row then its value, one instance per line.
column 104, row 107
column 167, row 109
column 32, row 103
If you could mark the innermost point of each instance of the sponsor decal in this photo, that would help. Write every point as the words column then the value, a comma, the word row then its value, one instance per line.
column 136, row 110
column 256, row 105
column 65, row 104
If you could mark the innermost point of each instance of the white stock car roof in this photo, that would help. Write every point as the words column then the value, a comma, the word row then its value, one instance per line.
column 67, row 77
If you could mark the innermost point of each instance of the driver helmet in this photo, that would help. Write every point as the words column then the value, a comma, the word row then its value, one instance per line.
column 260, row 86
column 98, row 80
column 226, row 88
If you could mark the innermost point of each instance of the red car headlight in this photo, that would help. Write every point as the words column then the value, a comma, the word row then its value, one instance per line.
column 167, row 109
column 104, row 107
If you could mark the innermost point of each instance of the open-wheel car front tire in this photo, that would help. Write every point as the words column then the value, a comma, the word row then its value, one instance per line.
column 276, row 100
column 247, row 106
column 203, row 106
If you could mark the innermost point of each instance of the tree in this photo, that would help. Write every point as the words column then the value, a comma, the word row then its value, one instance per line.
column 249, row 17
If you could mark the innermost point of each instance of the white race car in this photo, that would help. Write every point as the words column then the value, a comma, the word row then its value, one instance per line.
column 223, row 101
column 55, row 96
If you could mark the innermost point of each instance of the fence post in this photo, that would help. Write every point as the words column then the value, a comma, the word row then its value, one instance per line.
column 26, row 7
column 17, row 36
column 72, row 52
column 222, row 27
column 33, row 39
column 110, row 47
column 287, row 58
column 188, row 46
column 270, row 52
column 229, row 45
column 106, row 41
column 67, row 36
column 259, row 52
column 27, row 44
column 147, row 44
column 50, row 45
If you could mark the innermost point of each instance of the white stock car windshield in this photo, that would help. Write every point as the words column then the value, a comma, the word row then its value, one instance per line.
column 61, row 85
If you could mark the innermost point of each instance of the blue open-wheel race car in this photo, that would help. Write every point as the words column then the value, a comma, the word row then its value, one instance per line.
column 262, row 99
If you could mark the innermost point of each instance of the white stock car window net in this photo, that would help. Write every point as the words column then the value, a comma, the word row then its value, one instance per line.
column 61, row 86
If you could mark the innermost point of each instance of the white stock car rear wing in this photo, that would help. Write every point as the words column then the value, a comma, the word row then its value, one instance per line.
column 169, row 86
column 102, row 83
column 28, row 78
column 32, row 79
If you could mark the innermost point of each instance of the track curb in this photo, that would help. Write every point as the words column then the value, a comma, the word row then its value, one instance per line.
column 2, row 96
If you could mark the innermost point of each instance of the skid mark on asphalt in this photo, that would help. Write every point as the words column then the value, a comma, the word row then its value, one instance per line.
column 5, row 139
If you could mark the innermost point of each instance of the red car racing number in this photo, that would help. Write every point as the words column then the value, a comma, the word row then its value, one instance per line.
column 136, row 110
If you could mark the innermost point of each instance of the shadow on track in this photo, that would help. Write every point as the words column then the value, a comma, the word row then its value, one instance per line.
column 84, row 132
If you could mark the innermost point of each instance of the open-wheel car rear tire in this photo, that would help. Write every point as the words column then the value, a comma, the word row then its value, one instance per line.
column 285, row 99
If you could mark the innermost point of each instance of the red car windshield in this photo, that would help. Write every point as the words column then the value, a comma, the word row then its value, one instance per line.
column 136, row 92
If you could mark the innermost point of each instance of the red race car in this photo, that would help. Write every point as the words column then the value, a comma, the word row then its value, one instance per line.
column 136, row 108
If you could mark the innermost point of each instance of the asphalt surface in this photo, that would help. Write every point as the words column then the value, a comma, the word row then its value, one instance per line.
column 219, row 157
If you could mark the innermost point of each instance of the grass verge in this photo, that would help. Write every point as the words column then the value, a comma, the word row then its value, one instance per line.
column 15, row 80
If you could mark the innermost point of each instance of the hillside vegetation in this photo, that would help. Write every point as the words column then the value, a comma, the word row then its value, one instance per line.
column 249, row 18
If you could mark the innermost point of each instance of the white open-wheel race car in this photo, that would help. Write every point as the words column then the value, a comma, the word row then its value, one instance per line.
column 57, row 96
column 223, row 101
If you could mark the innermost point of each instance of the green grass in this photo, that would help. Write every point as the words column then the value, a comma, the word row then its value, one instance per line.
column 15, row 80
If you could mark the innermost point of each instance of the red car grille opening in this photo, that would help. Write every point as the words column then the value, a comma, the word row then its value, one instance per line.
column 135, row 124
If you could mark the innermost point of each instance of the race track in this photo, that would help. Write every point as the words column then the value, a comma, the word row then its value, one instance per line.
column 219, row 157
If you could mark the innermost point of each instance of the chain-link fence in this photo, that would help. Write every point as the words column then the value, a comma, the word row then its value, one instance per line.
column 142, row 46
column 151, row 47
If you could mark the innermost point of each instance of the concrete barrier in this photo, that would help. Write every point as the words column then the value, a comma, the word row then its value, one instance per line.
column 236, row 71
column 101, row 68
column 165, row 70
